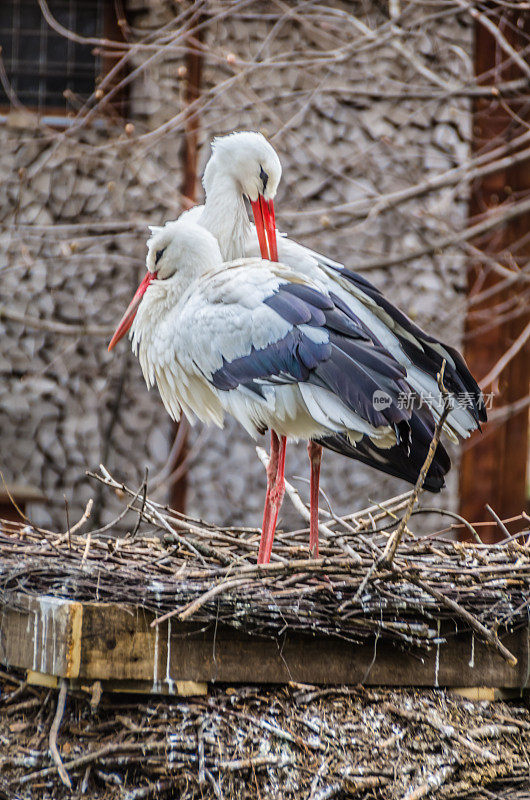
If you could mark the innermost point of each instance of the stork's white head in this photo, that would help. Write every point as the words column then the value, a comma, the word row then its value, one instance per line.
column 247, row 158
column 176, row 254
column 181, row 250
column 247, row 161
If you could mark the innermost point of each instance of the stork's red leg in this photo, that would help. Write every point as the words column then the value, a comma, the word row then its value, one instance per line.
column 315, row 456
column 277, row 493
column 272, row 469
column 274, row 496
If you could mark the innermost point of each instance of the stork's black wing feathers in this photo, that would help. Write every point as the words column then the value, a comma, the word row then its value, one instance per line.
column 319, row 310
column 429, row 352
column 374, row 357
column 338, row 356
column 403, row 460
column 288, row 360
column 355, row 382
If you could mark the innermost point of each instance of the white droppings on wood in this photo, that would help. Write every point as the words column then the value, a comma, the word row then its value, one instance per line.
column 156, row 684
column 437, row 662
column 169, row 680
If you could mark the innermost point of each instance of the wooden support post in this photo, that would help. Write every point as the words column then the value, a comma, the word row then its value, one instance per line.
column 190, row 155
column 494, row 465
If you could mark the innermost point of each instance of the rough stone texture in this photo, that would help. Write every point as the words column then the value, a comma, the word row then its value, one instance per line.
column 65, row 403
column 58, row 393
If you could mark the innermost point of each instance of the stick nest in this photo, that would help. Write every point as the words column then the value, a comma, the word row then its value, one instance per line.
column 186, row 568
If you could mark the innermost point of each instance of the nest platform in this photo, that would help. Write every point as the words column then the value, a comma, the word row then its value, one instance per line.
column 269, row 673
column 184, row 604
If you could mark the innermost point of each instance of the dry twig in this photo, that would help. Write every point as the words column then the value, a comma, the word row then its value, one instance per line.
column 54, row 730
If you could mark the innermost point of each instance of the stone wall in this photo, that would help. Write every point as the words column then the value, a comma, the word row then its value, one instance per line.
column 73, row 232
column 74, row 212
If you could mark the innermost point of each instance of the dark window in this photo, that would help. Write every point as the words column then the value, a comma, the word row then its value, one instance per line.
column 45, row 69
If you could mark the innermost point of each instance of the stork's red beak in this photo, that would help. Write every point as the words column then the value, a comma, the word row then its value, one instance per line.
column 263, row 211
column 128, row 318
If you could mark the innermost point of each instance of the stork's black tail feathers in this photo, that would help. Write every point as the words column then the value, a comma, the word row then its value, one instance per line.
column 403, row 460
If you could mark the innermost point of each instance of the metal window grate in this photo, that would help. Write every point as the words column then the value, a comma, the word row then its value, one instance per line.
column 41, row 64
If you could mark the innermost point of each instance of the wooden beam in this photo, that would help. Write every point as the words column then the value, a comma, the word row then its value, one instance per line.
column 479, row 693
column 116, row 645
column 181, row 688
column 190, row 157
column 494, row 465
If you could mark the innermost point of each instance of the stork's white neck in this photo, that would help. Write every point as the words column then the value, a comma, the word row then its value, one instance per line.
column 225, row 216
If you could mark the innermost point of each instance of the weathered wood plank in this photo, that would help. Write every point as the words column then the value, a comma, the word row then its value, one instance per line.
column 112, row 643
column 181, row 688
column 42, row 634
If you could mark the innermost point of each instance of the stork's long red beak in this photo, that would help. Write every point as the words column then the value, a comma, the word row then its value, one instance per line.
column 128, row 318
column 263, row 211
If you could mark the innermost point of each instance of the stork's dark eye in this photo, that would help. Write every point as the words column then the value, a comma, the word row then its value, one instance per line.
column 158, row 255
column 263, row 177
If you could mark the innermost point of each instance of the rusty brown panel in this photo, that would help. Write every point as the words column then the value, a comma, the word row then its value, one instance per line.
column 190, row 155
column 494, row 464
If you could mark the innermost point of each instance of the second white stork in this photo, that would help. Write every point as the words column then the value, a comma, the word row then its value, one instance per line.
column 244, row 165
column 257, row 340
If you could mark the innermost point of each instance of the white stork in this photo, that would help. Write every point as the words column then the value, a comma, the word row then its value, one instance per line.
column 261, row 342
column 244, row 165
